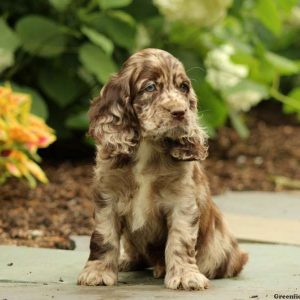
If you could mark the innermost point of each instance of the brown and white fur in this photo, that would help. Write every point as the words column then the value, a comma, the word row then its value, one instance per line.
column 150, row 190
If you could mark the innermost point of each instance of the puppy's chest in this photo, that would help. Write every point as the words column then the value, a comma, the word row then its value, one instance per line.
column 146, row 204
column 155, row 188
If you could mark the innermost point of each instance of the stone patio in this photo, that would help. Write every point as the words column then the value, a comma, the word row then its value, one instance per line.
column 31, row 273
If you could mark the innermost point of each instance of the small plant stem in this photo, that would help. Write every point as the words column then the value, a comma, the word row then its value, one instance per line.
column 239, row 124
column 284, row 99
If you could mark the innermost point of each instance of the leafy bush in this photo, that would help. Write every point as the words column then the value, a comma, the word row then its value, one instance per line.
column 21, row 134
column 237, row 52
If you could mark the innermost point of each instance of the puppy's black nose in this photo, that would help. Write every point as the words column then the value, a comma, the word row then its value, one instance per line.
column 178, row 114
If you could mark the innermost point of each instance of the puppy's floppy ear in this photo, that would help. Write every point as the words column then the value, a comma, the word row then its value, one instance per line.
column 193, row 145
column 113, row 122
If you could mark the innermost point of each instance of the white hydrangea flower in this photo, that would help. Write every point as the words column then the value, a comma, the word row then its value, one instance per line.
column 221, row 71
column 225, row 76
column 199, row 12
column 244, row 100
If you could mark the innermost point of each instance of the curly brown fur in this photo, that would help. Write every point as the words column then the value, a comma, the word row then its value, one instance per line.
column 150, row 189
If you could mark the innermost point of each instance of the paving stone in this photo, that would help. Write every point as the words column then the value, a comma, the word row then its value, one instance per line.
column 261, row 204
column 37, row 274
column 262, row 216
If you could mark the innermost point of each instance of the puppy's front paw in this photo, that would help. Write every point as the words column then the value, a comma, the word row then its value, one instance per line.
column 191, row 280
column 94, row 274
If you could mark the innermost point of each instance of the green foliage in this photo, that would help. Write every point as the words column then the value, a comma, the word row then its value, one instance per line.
column 267, row 12
column 60, row 5
column 292, row 103
column 9, row 39
column 9, row 42
column 106, row 4
column 212, row 110
column 63, row 51
column 96, row 61
column 41, row 36
column 98, row 39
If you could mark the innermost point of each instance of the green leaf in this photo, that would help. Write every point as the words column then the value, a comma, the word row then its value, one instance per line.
column 86, row 76
column 142, row 10
column 122, row 16
column 38, row 107
column 143, row 39
column 6, row 59
column 255, row 66
column 41, row 36
column 183, row 33
column 192, row 63
column 60, row 5
column 59, row 85
column 106, row 4
column 31, row 180
column 292, row 105
column 78, row 121
column 243, row 58
column 97, row 62
column 121, row 32
column 285, row 6
column 98, row 39
column 211, row 107
column 265, row 77
column 267, row 12
column 282, row 64
column 9, row 40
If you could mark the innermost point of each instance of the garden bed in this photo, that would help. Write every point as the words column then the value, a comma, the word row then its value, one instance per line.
column 46, row 216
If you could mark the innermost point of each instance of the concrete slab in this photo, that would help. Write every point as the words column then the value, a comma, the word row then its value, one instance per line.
column 283, row 205
column 82, row 242
column 262, row 216
column 264, row 230
column 37, row 274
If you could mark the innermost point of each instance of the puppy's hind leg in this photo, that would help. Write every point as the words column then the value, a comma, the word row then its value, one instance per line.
column 219, row 255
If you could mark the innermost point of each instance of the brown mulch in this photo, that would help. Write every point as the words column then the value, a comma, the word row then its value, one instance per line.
column 49, row 214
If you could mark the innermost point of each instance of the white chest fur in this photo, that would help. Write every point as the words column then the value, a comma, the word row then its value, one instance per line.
column 142, row 204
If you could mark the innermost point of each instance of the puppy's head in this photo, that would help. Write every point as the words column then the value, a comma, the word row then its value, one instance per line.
column 150, row 97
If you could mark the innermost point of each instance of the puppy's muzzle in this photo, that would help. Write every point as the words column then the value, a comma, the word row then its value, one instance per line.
column 178, row 114
column 177, row 109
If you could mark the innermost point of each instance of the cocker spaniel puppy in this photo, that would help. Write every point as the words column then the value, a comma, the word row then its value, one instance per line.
column 150, row 190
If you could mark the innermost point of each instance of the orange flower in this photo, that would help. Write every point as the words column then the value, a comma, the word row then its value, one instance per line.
column 21, row 130
column 36, row 171
column 12, row 169
column 21, row 134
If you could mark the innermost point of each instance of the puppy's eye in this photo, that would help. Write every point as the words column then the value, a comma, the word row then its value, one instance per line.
column 184, row 87
column 150, row 87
